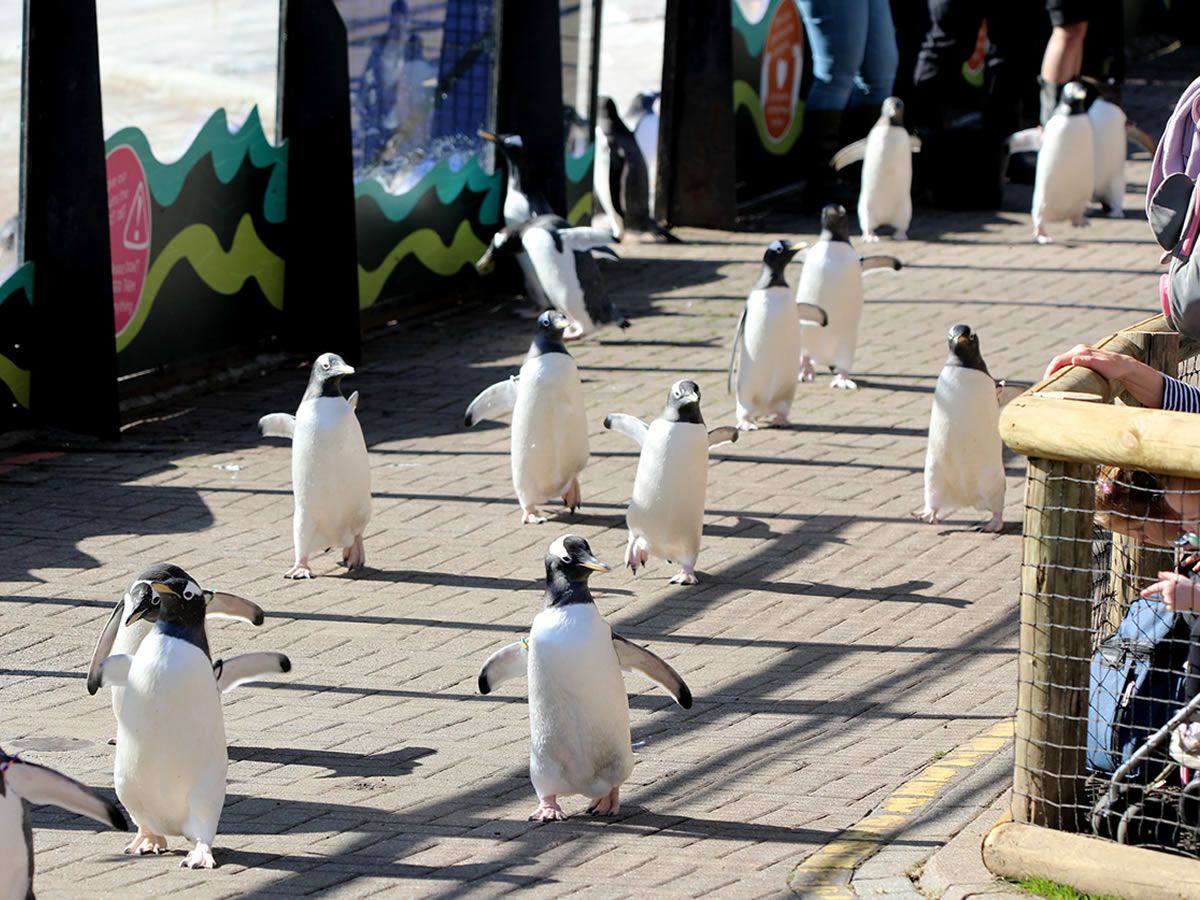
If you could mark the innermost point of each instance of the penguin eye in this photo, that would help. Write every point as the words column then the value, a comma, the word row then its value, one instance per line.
column 324, row 365
column 155, row 600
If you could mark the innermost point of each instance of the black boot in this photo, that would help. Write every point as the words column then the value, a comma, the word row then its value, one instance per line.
column 822, row 132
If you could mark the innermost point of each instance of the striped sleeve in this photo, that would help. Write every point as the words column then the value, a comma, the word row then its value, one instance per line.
column 1180, row 397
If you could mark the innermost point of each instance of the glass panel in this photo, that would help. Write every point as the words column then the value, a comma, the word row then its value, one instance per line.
column 421, row 74
column 11, row 35
column 577, row 30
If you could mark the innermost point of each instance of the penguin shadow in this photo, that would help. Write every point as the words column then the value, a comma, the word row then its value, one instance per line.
column 340, row 764
column 977, row 528
column 745, row 527
column 903, row 592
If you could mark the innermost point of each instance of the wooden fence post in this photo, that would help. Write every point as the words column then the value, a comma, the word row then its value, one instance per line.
column 1056, row 643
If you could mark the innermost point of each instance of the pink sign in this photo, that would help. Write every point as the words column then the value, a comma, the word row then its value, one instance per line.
column 128, row 231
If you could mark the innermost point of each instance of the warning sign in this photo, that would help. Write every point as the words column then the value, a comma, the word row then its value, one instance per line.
column 128, row 231
column 782, row 62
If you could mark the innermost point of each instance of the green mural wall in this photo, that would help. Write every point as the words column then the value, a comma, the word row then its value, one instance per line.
column 16, row 325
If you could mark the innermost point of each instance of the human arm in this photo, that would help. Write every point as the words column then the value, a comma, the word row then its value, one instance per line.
column 1144, row 383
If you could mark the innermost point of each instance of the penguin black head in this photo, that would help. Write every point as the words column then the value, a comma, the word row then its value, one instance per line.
column 642, row 104
column 548, row 333
column 893, row 111
column 569, row 565
column 683, row 403
column 182, row 607
column 511, row 146
column 152, row 597
column 608, row 119
column 1073, row 101
column 327, row 374
column 964, row 349
column 775, row 260
column 835, row 224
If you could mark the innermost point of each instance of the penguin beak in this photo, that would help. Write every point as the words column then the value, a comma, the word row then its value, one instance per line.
column 689, row 397
column 342, row 369
column 560, row 321
column 147, row 603
column 489, row 136
column 590, row 562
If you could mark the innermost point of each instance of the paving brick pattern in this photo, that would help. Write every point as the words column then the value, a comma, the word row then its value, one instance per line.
column 834, row 646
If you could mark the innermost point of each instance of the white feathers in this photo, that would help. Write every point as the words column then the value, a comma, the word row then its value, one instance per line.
column 769, row 357
column 885, row 197
column 1064, row 180
column 492, row 402
column 549, row 429
column 832, row 279
column 964, row 462
column 559, row 549
column 1108, row 142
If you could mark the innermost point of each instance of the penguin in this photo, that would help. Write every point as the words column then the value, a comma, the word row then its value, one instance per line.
column 21, row 783
column 171, row 758
column 831, row 278
column 559, row 268
column 1109, row 137
column 621, row 180
column 666, row 512
column 964, row 462
column 885, row 196
column 522, row 201
column 1064, row 180
column 768, row 339
column 117, row 638
column 549, row 421
column 642, row 118
column 331, row 475
column 578, row 707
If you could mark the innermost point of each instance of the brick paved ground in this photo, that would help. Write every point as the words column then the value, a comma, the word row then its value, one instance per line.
column 834, row 646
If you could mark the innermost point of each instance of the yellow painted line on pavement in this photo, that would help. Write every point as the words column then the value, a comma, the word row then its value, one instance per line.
column 827, row 872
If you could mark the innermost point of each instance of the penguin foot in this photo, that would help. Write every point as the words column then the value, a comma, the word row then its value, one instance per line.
column 573, row 498
column 928, row 516
column 900, row 236
column 1040, row 235
column 200, row 858
column 870, row 237
column 533, row 517
column 807, row 370
column 548, row 811
column 299, row 570
column 1081, row 221
column 608, row 805
column 1116, row 213
column 747, row 425
column 843, row 382
column 636, row 554
column 573, row 332
column 994, row 525
column 146, row 842
column 684, row 576
column 354, row 556
column 780, row 419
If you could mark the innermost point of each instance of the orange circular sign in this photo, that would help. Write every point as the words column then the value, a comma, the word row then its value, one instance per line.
column 782, row 68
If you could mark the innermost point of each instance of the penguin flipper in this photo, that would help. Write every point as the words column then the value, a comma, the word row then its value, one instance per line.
column 726, row 434
column 504, row 665
column 1025, row 141
column 585, row 238
column 497, row 400
column 277, row 425
column 230, row 606
column 353, row 401
column 42, row 786
column 595, row 294
column 248, row 667
column 114, row 671
column 869, row 263
column 737, row 346
column 104, row 647
column 915, row 143
column 630, row 426
column 616, row 180
column 812, row 314
column 638, row 659
column 849, row 155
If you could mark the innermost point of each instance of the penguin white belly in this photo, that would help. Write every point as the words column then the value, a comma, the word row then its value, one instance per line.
column 601, row 186
column 1063, row 180
column 171, row 758
column 549, row 428
column 770, row 361
column 14, row 854
column 646, row 135
column 516, row 208
column 127, row 641
column 667, row 506
column 832, row 278
column 578, row 706
column 885, row 197
column 557, row 276
column 964, row 462
column 331, row 475
column 1108, row 143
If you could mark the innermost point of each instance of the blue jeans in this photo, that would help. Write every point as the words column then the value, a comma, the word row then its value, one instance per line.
column 854, row 52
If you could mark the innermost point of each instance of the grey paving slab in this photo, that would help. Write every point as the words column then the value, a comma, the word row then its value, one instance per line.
column 834, row 646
